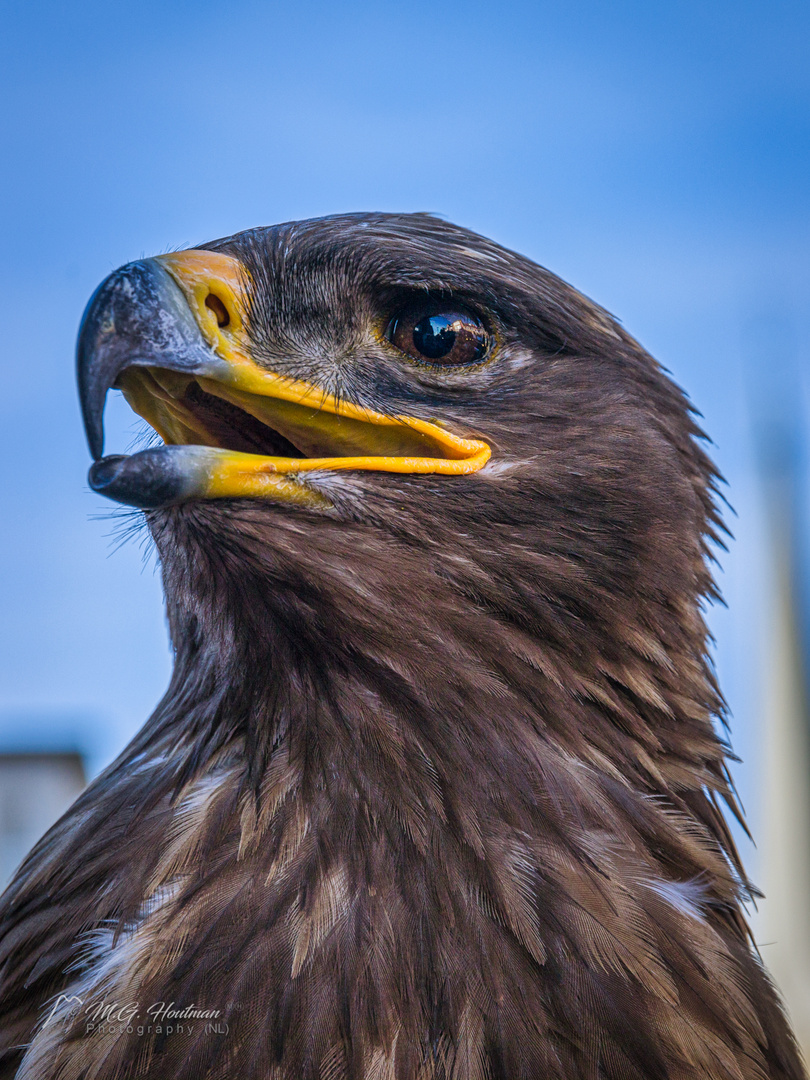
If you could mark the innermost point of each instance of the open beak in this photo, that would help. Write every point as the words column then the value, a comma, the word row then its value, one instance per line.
column 170, row 332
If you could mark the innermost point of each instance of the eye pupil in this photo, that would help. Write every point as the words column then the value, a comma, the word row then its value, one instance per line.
column 435, row 335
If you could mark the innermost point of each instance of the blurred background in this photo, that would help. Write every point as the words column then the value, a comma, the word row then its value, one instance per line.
column 655, row 155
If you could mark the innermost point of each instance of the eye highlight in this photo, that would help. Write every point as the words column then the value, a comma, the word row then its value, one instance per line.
column 440, row 333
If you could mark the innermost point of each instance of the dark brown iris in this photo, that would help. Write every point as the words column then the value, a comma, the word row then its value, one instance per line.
column 440, row 334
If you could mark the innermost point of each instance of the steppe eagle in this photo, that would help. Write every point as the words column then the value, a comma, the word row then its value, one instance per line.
column 435, row 791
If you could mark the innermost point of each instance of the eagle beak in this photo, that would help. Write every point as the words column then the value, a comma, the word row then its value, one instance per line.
column 171, row 333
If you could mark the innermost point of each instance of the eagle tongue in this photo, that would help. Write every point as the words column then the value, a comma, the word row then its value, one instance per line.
column 234, row 429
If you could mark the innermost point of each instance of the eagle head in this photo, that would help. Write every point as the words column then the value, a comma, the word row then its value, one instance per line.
column 429, row 450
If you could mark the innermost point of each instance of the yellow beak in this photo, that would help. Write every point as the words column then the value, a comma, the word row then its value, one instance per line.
column 328, row 434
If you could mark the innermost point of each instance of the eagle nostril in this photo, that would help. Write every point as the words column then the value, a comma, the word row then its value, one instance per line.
column 215, row 304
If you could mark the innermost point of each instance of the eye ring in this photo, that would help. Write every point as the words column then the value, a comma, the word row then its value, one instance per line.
column 440, row 333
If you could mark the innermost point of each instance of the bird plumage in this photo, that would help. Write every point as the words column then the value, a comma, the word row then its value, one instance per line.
column 435, row 791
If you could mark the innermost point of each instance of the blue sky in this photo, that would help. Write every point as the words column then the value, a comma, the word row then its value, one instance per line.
column 655, row 155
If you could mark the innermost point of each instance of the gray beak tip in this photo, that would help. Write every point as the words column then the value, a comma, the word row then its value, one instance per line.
column 137, row 316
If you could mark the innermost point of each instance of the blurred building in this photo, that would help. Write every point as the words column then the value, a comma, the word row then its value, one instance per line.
column 35, row 790
column 45, row 759
column 782, row 922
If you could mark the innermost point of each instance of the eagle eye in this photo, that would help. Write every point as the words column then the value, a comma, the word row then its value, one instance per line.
column 439, row 333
